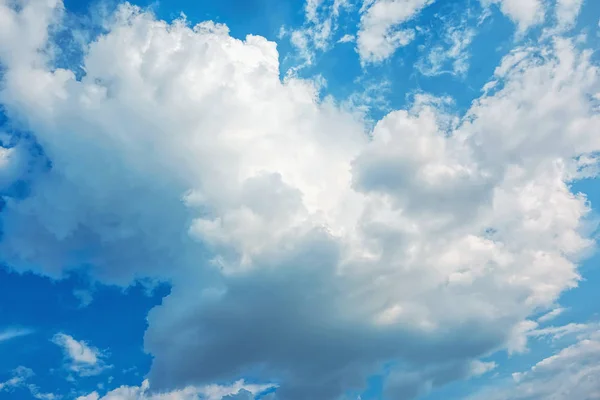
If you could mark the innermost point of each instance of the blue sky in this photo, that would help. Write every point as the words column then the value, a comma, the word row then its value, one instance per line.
column 308, row 199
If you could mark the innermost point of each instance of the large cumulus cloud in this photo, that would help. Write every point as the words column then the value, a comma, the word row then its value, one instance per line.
column 302, row 249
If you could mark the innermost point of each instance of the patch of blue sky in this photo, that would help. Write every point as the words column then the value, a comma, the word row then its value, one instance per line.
column 113, row 322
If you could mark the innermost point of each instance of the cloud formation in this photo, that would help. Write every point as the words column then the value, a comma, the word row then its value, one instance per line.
column 571, row 373
column 20, row 376
column 81, row 358
column 321, row 22
column 381, row 31
column 451, row 54
column 567, row 12
column 239, row 390
column 526, row 13
column 301, row 247
column 12, row 333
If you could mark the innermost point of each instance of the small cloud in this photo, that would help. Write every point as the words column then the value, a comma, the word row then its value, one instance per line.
column 371, row 98
column 36, row 394
column 552, row 314
column 19, row 376
column 129, row 370
column 567, row 12
column 12, row 333
column 524, row 13
column 83, row 359
column 381, row 29
column 558, row 332
column 346, row 39
column 84, row 296
column 479, row 368
column 451, row 55
column 316, row 34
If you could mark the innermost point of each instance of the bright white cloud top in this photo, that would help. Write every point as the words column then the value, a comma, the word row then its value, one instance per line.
column 301, row 246
column 80, row 357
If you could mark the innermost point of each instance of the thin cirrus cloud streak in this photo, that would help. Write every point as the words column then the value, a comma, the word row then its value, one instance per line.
column 302, row 246
column 12, row 333
column 550, row 315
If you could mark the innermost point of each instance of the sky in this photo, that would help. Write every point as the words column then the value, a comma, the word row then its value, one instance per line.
column 304, row 199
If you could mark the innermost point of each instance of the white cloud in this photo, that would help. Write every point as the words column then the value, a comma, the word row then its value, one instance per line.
column 524, row 13
column 20, row 375
column 295, row 238
column 452, row 55
column 552, row 314
column 372, row 97
column 77, row 351
column 480, row 368
column 23, row 32
column 210, row 392
column 12, row 333
column 19, row 380
column 572, row 373
column 381, row 31
column 567, row 12
column 320, row 25
column 558, row 332
column 529, row 329
column 346, row 39
column 36, row 394
column 81, row 358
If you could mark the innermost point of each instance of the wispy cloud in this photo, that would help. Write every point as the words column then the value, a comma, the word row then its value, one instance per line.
column 12, row 333
column 552, row 314
column 19, row 376
column 573, row 369
column 83, row 359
